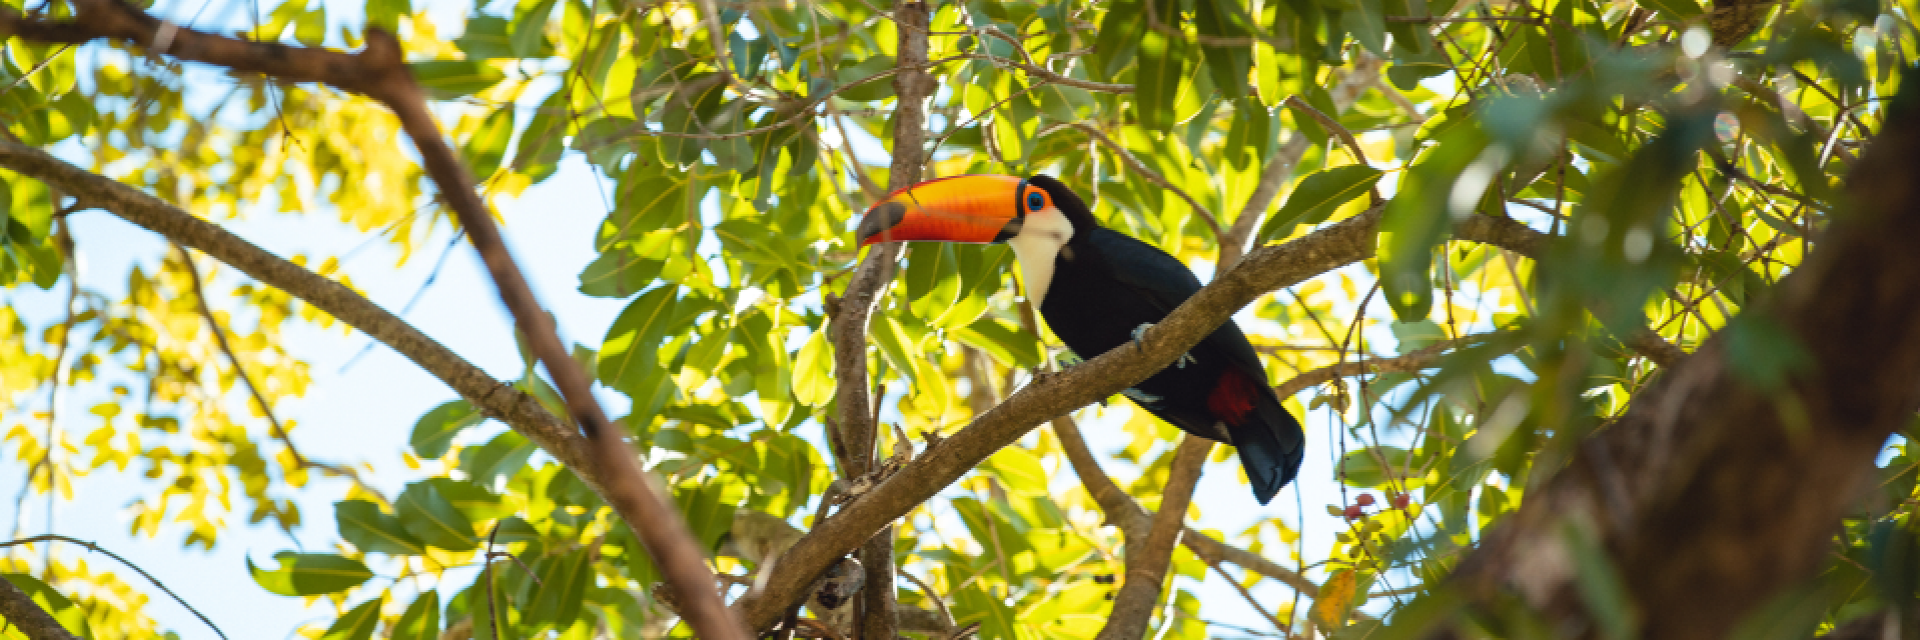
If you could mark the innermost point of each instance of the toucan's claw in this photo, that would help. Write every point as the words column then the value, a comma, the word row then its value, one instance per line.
column 1185, row 358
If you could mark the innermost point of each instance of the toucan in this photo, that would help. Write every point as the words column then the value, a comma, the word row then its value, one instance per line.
column 1099, row 289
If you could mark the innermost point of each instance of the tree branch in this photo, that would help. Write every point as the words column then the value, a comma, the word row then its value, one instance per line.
column 495, row 399
column 300, row 461
column 1263, row 270
column 94, row 547
column 380, row 72
column 1148, row 558
column 1122, row 511
column 19, row 610
column 858, row 429
column 1717, row 491
column 1408, row 362
column 1152, row 176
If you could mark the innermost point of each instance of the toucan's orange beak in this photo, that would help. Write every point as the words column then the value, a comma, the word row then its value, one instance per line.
column 968, row 208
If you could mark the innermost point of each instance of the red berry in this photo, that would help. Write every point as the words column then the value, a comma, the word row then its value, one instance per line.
column 1365, row 499
column 1400, row 501
column 1353, row 512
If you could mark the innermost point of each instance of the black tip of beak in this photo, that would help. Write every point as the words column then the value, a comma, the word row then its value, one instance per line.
column 879, row 220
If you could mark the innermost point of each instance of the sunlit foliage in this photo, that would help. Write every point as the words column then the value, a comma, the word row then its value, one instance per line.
column 1681, row 160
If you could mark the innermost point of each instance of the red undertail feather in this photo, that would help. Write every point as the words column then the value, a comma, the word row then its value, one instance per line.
column 1232, row 396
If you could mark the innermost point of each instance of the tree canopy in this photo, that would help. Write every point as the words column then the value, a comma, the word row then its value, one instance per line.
column 1597, row 314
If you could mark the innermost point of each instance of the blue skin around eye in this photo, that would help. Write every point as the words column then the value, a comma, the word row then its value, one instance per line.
column 1035, row 201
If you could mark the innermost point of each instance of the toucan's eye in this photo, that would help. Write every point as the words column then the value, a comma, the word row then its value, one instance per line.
column 1035, row 201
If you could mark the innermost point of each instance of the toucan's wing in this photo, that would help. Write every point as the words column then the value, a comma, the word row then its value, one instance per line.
column 1154, row 275
column 1163, row 280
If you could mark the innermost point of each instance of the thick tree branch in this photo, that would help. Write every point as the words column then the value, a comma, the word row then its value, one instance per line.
column 496, row 400
column 856, row 421
column 19, row 610
column 380, row 72
column 1718, row 490
column 1121, row 510
column 1148, row 558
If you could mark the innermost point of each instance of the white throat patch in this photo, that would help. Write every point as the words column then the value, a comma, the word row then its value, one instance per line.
column 1041, row 236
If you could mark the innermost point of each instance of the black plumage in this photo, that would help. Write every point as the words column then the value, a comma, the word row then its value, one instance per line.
column 1106, row 284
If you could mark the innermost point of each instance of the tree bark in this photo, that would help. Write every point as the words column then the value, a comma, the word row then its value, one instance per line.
column 1148, row 557
column 18, row 609
column 1715, row 491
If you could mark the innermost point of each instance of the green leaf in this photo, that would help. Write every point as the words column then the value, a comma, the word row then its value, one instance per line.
column 708, row 512
column 421, row 620
column 386, row 14
column 1367, row 23
column 310, row 28
column 489, row 144
column 431, row 518
column 64, row 611
column 870, row 90
column 1269, row 70
column 1019, row 469
column 1419, row 215
column 485, row 37
column 1317, row 196
column 628, row 359
column 309, row 574
column 1063, row 103
column 896, row 345
column 502, row 456
column 928, row 265
column 449, row 79
column 28, row 202
column 1361, row 467
column 434, row 433
column 529, row 28
column 1678, row 10
column 564, row 580
column 1163, row 66
column 1229, row 64
column 618, row 273
column 813, row 371
column 359, row 622
column 374, row 531
column 471, row 499
column 1011, row 346
column 1418, row 334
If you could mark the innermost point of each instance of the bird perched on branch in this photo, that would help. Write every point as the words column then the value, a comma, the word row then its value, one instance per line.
column 1099, row 289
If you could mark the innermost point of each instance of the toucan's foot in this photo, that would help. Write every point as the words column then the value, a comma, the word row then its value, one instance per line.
column 1185, row 358
column 1139, row 396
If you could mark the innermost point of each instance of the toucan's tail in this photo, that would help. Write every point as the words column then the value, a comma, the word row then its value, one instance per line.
column 1271, row 445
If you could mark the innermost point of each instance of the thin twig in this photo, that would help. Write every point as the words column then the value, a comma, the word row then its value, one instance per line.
column 1152, row 176
column 1334, row 127
column 95, row 547
column 1147, row 562
column 1285, row 629
column 259, row 399
column 493, row 614
column 938, row 602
